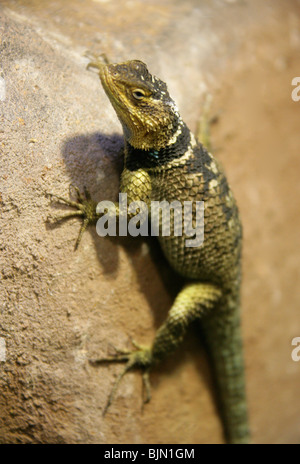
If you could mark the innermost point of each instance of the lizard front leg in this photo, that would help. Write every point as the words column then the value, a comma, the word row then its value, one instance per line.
column 86, row 209
column 194, row 300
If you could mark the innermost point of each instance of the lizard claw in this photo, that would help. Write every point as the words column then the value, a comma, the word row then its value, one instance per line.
column 96, row 61
column 139, row 359
column 84, row 207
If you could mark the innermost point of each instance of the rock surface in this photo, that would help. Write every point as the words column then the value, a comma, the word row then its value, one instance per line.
column 60, row 308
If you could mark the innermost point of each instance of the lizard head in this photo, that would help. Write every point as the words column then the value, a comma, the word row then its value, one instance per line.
column 143, row 105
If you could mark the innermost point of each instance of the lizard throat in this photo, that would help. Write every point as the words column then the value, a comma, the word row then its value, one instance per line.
column 137, row 158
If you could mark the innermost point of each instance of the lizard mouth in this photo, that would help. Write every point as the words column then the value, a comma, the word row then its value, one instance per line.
column 112, row 85
column 109, row 82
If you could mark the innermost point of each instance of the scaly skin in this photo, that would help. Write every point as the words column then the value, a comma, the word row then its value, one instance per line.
column 163, row 161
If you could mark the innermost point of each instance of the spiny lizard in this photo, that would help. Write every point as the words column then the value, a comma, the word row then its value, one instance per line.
column 164, row 161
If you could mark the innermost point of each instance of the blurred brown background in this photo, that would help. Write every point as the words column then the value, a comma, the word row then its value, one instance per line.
column 58, row 307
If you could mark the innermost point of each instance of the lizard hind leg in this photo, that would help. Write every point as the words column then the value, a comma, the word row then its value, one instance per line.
column 194, row 300
column 139, row 358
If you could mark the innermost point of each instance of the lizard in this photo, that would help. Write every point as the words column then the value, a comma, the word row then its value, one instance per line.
column 163, row 160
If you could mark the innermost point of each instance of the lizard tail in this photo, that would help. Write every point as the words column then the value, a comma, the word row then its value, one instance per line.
column 224, row 342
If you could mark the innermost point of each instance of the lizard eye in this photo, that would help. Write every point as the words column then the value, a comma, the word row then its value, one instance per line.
column 138, row 94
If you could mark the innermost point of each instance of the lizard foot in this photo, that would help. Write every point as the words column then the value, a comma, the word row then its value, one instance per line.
column 96, row 61
column 85, row 208
column 141, row 358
